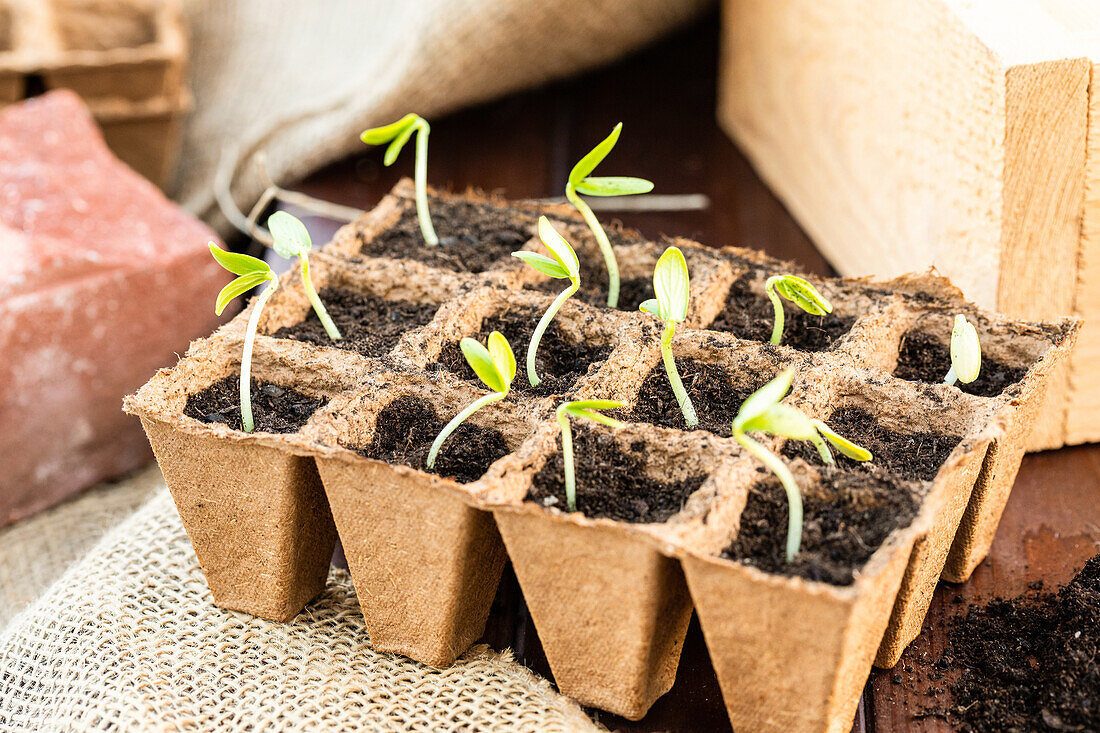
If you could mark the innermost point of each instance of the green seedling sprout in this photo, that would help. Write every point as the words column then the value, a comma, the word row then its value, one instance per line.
column 250, row 272
column 495, row 366
column 580, row 409
column 763, row 412
column 799, row 292
column 966, row 353
column 581, row 181
column 290, row 239
column 397, row 134
column 673, row 288
column 562, row 264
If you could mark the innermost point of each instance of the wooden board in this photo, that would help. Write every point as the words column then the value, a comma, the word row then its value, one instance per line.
column 952, row 133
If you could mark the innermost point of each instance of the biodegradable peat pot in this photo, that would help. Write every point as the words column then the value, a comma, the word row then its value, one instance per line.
column 253, row 508
column 1018, row 360
column 791, row 653
column 610, row 608
column 425, row 562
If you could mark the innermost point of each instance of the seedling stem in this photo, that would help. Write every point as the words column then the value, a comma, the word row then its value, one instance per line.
column 580, row 409
column 290, row 238
column 799, row 292
column 397, row 134
column 672, row 285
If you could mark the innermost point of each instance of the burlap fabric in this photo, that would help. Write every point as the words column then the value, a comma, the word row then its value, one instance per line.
column 344, row 65
column 128, row 639
column 35, row 552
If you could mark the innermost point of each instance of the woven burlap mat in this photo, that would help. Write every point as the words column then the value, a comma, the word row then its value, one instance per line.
column 128, row 639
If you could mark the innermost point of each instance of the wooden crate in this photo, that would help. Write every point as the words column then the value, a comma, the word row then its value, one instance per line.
column 963, row 134
column 126, row 58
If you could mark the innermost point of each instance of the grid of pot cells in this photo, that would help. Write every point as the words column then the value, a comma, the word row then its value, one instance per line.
column 818, row 634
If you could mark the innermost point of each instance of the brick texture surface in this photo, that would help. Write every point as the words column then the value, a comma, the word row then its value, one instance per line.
column 103, row 280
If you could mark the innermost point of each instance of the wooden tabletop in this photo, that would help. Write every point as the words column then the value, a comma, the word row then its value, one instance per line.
column 524, row 146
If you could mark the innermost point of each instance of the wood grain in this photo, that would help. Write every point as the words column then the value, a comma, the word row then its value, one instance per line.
column 933, row 132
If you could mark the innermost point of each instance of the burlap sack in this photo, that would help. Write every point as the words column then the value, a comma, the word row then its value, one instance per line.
column 262, row 66
column 128, row 639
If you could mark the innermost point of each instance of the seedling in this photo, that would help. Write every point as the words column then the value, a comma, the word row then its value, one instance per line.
column 799, row 292
column 250, row 272
column 580, row 409
column 763, row 413
column 290, row 239
column 397, row 134
column 581, row 181
column 966, row 353
column 562, row 264
column 672, row 285
column 495, row 366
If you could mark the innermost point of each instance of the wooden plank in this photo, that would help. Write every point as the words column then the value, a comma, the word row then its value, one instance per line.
column 935, row 132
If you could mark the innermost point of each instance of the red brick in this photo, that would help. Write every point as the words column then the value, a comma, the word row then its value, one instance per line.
column 103, row 280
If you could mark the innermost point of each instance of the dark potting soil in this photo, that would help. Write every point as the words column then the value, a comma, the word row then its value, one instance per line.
column 368, row 325
column 473, row 236
column 1028, row 664
column 749, row 314
column 713, row 391
column 560, row 362
column 408, row 426
column 914, row 456
column 844, row 522
column 611, row 480
column 924, row 358
column 275, row 409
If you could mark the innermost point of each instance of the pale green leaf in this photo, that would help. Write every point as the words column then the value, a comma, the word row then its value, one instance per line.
column 614, row 186
column 595, row 405
column 544, row 264
column 764, row 399
column 503, row 358
column 842, row 444
column 803, row 294
column 600, row 418
column 481, row 361
column 241, row 285
column 237, row 263
column 782, row 420
column 380, row 135
column 394, row 148
column 559, row 248
column 290, row 236
column 650, row 306
column 672, row 285
column 588, row 163
column 966, row 350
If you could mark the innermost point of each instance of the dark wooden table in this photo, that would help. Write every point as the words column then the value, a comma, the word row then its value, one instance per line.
column 524, row 146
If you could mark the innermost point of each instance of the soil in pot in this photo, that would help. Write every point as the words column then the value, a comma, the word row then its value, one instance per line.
column 407, row 427
column 275, row 409
column 611, row 481
column 368, row 325
column 925, row 358
column 1029, row 663
column 473, row 236
column 749, row 314
column 846, row 517
column 713, row 389
column 913, row 456
column 560, row 361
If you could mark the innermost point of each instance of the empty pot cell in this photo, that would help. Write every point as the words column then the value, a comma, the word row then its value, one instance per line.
column 748, row 313
column 846, row 517
column 718, row 375
column 425, row 562
column 372, row 310
column 575, row 344
column 1009, row 349
column 474, row 235
column 101, row 25
column 914, row 453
